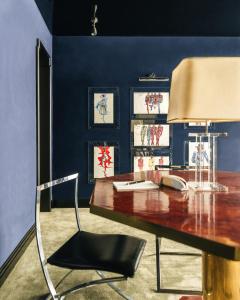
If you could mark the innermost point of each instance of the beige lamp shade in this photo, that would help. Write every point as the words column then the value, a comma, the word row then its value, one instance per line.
column 205, row 89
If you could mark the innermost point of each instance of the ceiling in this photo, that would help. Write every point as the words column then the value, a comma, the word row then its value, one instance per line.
column 143, row 18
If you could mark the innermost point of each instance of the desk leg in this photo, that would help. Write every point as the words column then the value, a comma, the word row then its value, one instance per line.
column 158, row 264
column 221, row 278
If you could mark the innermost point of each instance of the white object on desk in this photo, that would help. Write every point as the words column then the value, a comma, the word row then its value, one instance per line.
column 175, row 182
column 125, row 186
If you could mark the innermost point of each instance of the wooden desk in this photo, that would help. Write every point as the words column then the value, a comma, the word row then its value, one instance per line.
column 209, row 221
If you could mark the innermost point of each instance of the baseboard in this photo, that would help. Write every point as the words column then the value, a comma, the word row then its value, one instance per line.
column 16, row 255
column 83, row 202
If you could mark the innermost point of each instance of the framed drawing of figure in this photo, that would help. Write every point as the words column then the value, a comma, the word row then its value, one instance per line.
column 102, row 160
column 147, row 163
column 149, row 102
column 195, row 156
column 151, row 135
column 103, row 107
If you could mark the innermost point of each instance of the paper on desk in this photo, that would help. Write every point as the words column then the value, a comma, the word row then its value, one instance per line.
column 146, row 185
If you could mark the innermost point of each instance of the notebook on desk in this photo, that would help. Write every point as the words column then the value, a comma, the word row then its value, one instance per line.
column 133, row 186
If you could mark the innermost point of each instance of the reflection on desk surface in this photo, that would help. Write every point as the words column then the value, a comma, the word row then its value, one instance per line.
column 208, row 216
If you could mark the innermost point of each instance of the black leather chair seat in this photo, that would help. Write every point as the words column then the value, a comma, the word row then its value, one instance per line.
column 106, row 252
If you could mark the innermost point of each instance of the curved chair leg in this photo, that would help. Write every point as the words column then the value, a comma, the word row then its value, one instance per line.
column 170, row 291
column 49, row 297
column 90, row 283
column 115, row 288
column 63, row 278
column 72, row 290
column 43, row 260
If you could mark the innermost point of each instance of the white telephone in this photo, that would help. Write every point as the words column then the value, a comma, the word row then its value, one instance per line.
column 174, row 182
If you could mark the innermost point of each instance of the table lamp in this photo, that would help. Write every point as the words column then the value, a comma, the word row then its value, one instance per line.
column 205, row 89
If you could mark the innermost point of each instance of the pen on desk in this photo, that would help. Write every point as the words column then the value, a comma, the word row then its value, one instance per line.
column 133, row 182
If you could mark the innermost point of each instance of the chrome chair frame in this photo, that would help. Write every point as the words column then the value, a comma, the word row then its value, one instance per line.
column 158, row 277
column 53, row 292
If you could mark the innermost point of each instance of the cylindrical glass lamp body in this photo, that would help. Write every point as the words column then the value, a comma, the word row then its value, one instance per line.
column 206, row 162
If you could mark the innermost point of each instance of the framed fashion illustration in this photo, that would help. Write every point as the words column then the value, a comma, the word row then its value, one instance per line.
column 196, row 153
column 148, row 163
column 103, row 159
column 150, row 102
column 151, row 135
column 103, row 107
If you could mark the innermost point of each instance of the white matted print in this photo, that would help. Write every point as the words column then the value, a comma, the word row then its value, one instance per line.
column 103, row 165
column 103, row 108
column 151, row 135
column 150, row 103
column 148, row 163
column 195, row 156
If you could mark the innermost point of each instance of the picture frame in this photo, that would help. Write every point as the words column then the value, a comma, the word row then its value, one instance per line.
column 191, row 154
column 103, row 107
column 149, row 102
column 149, row 163
column 103, row 159
column 151, row 134
column 148, row 152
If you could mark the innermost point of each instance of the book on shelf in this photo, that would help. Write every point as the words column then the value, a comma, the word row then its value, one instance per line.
column 135, row 185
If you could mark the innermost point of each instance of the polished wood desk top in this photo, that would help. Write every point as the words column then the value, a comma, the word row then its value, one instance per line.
column 209, row 221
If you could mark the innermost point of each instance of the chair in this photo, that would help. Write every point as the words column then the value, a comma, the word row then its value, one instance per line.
column 89, row 251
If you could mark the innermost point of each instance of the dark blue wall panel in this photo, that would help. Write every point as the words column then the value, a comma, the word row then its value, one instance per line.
column 82, row 62
column 20, row 25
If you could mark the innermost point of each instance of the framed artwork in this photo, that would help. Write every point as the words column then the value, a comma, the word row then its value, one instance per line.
column 103, row 159
column 152, row 135
column 149, row 102
column 103, row 107
column 147, row 163
column 149, row 151
column 194, row 155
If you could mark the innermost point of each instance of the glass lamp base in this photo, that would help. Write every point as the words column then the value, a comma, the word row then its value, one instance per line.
column 205, row 161
column 207, row 186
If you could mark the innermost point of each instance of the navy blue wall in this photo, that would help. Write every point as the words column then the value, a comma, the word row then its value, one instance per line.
column 82, row 62
column 20, row 25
